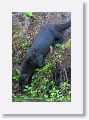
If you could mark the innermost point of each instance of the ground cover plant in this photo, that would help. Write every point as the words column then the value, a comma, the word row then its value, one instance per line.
column 44, row 86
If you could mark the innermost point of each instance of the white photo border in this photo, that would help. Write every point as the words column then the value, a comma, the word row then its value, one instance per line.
column 76, row 104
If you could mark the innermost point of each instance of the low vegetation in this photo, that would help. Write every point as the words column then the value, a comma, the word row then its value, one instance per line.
column 42, row 87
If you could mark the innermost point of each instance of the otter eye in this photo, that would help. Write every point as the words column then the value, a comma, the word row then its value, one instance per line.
column 25, row 76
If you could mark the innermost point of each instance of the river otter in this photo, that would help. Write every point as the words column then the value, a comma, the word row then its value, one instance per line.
column 35, row 56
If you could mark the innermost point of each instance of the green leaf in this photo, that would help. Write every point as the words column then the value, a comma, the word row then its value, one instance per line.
column 58, row 45
column 68, row 43
column 52, row 94
column 29, row 14
column 63, row 46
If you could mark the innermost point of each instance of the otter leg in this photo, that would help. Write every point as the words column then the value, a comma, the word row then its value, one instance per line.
column 40, row 61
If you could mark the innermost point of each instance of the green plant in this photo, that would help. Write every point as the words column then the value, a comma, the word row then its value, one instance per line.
column 29, row 14
column 58, row 45
column 42, row 87
column 68, row 43
column 20, row 98
column 15, row 75
column 24, row 45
